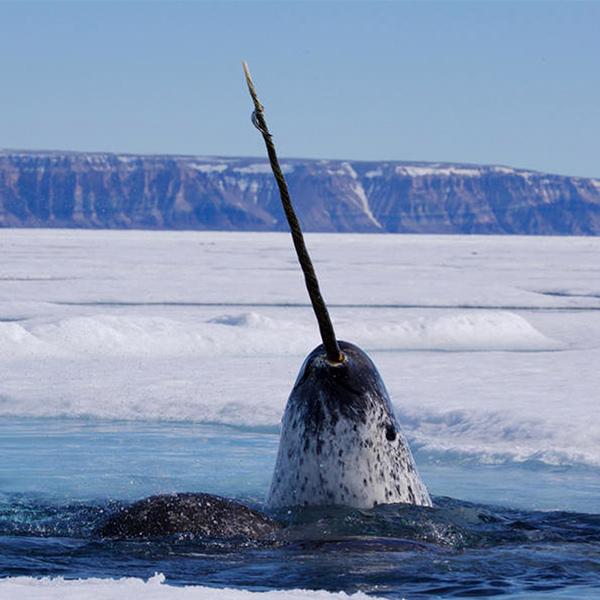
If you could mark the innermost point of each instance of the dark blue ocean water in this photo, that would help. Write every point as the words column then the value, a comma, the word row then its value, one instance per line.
column 523, row 531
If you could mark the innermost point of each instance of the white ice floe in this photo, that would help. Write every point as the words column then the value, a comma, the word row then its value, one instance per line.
column 155, row 588
column 488, row 346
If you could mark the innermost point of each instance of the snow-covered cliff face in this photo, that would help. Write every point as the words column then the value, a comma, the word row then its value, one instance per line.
column 62, row 189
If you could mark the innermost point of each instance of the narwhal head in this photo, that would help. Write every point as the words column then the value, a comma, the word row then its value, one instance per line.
column 340, row 442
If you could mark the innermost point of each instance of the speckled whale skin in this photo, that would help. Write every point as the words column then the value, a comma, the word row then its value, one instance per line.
column 340, row 442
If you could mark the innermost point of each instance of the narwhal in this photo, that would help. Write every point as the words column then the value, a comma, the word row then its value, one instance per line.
column 340, row 442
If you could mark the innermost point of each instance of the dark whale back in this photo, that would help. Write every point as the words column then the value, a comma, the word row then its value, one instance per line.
column 201, row 515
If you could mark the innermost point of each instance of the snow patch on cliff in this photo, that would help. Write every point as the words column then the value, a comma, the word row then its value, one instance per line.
column 262, row 169
column 358, row 189
column 435, row 170
column 208, row 168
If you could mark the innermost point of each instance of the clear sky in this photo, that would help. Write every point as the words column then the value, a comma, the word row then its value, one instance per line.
column 511, row 83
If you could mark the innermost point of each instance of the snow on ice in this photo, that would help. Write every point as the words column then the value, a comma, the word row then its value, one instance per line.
column 482, row 356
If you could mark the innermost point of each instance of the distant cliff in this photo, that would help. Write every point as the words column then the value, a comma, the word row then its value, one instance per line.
column 93, row 190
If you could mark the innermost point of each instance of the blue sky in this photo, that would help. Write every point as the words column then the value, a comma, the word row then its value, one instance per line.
column 512, row 83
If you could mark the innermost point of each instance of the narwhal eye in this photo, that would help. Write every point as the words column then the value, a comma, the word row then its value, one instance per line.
column 390, row 433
